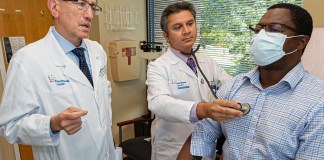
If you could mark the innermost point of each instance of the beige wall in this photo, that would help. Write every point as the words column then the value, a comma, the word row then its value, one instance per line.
column 129, row 97
column 315, row 8
column 94, row 32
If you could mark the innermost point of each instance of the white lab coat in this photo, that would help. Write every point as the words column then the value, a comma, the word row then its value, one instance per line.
column 173, row 88
column 42, row 81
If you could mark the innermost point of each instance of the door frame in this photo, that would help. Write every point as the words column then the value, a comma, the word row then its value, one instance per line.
column 2, row 65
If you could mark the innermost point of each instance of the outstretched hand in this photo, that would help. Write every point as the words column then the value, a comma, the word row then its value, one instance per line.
column 219, row 110
column 68, row 120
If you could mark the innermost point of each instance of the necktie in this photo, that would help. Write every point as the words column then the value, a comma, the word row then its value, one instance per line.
column 191, row 63
column 83, row 63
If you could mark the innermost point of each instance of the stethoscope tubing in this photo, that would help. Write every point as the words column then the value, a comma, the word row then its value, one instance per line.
column 245, row 107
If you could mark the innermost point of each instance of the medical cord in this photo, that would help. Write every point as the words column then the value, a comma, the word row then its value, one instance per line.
column 245, row 107
column 202, row 73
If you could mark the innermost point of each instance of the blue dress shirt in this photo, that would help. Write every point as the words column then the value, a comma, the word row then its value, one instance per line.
column 286, row 120
column 67, row 47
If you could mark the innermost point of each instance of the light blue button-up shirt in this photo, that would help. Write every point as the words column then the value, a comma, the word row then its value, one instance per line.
column 286, row 120
column 67, row 47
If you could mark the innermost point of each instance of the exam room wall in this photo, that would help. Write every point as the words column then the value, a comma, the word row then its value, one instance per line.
column 315, row 8
column 128, row 97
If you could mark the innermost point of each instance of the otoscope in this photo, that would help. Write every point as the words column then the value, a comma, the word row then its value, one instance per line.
column 245, row 107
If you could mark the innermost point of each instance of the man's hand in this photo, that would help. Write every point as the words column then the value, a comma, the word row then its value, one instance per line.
column 69, row 120
column 218, row 110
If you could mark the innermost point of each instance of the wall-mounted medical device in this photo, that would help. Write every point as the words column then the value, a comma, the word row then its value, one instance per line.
column 151, row 50
column 124, row 59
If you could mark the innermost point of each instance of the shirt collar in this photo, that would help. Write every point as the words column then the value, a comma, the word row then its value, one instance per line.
column 292, row 78
column 66, row 45
column 180, row 55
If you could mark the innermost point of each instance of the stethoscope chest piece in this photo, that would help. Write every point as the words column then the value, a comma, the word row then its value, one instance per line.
column 245, row 108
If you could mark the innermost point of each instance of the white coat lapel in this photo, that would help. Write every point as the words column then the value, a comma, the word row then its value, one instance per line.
column 183, row 67
column 203, row 86
column 60, row 59
column 202, row 63
column 95, row 63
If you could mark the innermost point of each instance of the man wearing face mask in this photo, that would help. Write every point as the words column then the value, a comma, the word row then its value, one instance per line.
column 287, row 103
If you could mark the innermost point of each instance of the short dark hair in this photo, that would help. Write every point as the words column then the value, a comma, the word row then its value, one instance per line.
column 175, row 8
column 300, row 17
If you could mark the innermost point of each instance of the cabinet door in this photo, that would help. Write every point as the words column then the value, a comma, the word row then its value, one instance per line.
column 28, row 18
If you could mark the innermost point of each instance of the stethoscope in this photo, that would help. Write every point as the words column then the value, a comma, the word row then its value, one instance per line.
column 245, row 107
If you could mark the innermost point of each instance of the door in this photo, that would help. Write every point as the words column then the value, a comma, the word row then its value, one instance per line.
column 30, row 19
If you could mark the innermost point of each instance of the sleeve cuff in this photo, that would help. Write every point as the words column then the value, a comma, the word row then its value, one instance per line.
column 54, row 136
column 193, row 114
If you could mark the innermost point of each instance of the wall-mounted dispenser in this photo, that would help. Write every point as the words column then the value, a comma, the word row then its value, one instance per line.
column 124, row 59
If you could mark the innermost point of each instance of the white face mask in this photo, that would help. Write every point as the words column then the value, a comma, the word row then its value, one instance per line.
column 267, row 47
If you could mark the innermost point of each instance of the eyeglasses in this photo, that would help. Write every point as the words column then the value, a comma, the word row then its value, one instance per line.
column 272, row 27
column 84, row 5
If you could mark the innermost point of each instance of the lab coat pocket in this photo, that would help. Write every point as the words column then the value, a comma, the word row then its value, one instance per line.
column 58, row 101
column 83, row 140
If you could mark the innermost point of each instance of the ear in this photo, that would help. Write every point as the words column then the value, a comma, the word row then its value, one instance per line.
column 302, row 42
column 165, row 35
column 52, row 6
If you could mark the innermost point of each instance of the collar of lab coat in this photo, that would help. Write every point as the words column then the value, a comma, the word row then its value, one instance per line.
column 174, row 60
column 60, row 59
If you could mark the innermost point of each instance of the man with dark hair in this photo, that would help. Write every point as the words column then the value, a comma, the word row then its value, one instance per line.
column 176, row 8
column 177, row 92
column 287, row 102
